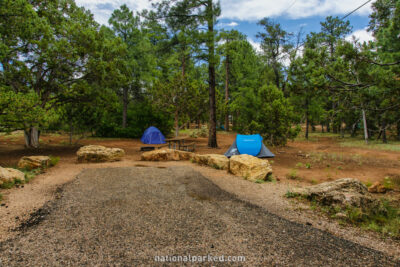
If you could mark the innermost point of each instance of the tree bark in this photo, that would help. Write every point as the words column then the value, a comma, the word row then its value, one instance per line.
column 125, row 107
column 307, row 120
column 341, row 129
column 365, row 126
column 334, row 126
column 71, row 133
column 176, row 122
column 384, row 139
column 212, row 137
column 32, row 137
column 227, row 93
column 398, row 131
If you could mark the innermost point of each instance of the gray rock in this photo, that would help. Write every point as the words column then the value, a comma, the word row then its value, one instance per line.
column 343, row 192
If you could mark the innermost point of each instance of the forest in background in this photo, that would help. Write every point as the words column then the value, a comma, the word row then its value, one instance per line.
column 170, row 66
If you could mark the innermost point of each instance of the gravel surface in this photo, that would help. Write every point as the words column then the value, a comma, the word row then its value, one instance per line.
column 128, row 216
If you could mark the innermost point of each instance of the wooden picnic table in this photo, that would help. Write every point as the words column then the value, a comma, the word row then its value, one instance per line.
column 176, row 140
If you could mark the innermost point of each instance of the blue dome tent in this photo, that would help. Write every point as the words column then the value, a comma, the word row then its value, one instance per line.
column 249, row 144
column 152, row 136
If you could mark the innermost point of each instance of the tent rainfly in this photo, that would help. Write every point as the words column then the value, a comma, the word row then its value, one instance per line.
column 249, row 144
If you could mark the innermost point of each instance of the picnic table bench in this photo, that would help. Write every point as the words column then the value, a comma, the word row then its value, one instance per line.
column 152, row 147
column 189, row 147
column 176, row 142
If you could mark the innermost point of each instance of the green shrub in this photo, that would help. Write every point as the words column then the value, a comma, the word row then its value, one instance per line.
column 54, row 161
column 292, row 175
column 299, row 165
column 308, row 165
column 7, row 185
column 290, row 194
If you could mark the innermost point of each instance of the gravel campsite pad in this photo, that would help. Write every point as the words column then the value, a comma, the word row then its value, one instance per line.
column 129, row 216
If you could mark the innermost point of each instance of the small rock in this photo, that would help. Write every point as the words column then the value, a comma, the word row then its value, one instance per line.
column 377, row 187
column 343, row 192
column 94, row 153
column 8, row 175
column 34, row 162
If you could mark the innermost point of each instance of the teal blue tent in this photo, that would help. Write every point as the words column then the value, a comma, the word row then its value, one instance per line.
column 250, row 145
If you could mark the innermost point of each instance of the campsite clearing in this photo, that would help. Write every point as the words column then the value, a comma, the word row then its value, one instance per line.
column 365, row 164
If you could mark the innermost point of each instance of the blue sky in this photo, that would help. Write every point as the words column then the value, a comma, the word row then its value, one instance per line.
column 243, row 15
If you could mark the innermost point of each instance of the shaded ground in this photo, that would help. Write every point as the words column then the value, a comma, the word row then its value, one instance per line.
column 127, row 216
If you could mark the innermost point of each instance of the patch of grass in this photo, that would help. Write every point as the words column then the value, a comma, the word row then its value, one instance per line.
column 314, row 181
column 308, row 165
column 384, row 219
column 290, row 194
column 30, row 174
column 392, row 182
column 368, row 184
column 7, row 185
column 299, row 165
column 269, row 178
column 292, row 175
column 372, row 144
column 54, row 161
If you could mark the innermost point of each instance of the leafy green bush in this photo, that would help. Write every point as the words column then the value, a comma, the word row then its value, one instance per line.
column 265, row 111
column 54, row 161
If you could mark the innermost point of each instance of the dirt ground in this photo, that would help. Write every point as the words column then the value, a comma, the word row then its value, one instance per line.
column 327, row 160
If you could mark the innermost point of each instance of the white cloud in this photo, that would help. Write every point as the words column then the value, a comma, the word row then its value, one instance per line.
column 250, row 10
column 361, row 36
column 256, row 45
column 258, row 9
column 102, row 9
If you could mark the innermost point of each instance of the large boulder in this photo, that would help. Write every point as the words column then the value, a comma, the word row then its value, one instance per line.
column 166, row 155
column 213, row 160
column 93, row 153
column 34, row 162
column 343, row 192
column 8, row 175
column 249, row 167
column 185, row 155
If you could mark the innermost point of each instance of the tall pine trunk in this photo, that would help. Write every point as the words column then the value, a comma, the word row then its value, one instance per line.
column 212, row 137
column 307, row 119
column 176, row 122
column 398, row 130
column 32, row 137
column 365, row 126
column 384, row 139
column 227, row 93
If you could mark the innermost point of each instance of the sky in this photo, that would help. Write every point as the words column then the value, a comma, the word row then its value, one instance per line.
column 243, row 15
